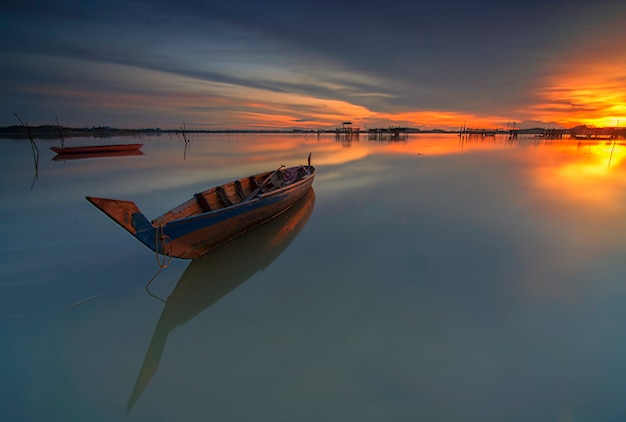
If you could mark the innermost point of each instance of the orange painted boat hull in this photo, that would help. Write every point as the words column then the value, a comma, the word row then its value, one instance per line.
column 94, row 149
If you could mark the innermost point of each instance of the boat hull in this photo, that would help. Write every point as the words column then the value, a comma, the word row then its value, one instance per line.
column 96, row 149
column 100, row 154
column 184, row 232
column 192, row 237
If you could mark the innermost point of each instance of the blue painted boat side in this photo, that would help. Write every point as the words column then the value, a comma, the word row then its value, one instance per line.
column 185, row 226
column 192, row 236
column 144, row 231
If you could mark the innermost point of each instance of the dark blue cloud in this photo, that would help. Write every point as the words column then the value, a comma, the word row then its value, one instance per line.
column 466, row 56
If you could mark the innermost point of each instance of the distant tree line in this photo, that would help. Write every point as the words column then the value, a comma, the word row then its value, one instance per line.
column 55, row 131
column 52, row 132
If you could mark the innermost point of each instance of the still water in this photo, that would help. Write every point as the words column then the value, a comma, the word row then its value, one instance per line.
column 435, row 279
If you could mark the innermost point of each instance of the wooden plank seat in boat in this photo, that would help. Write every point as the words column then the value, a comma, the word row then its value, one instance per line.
column 202, row 202
column 253, row 182
column 239, row 189
column 223, row 197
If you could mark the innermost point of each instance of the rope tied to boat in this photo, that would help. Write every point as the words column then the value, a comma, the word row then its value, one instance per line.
column 163, row 246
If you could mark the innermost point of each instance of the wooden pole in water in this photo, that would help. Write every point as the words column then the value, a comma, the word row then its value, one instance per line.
column 60, row 134
column 611, row 156
column 34, row 148
column 32, row 141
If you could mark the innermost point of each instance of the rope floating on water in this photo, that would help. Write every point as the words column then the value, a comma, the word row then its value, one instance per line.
column 67, row 308
column 150, row 282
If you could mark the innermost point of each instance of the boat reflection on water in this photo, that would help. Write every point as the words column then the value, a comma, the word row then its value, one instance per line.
column 212, row 276
column 65, row 157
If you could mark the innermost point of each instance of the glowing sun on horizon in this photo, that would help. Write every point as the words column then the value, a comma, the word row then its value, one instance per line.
column 588, row 84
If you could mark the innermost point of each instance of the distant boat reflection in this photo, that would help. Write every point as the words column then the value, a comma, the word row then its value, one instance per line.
column 212, row 276
column 64, row 157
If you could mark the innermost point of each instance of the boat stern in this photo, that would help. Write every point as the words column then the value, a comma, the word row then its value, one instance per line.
column 127, row 215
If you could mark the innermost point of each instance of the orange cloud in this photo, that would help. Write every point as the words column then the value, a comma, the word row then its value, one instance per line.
column 587, row 84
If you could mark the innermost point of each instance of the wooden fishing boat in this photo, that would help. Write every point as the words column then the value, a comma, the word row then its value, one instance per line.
column 80, row 156
column 215, row 215
column 88, row 149
column 212, row 276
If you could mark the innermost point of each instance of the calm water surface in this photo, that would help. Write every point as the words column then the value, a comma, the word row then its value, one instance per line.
column 436, row 279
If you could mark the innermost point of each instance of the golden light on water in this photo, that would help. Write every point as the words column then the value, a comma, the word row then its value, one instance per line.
column 596, row 164
column 585, row 175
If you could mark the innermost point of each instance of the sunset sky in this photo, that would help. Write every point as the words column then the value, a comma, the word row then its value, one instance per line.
column 235, row 64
